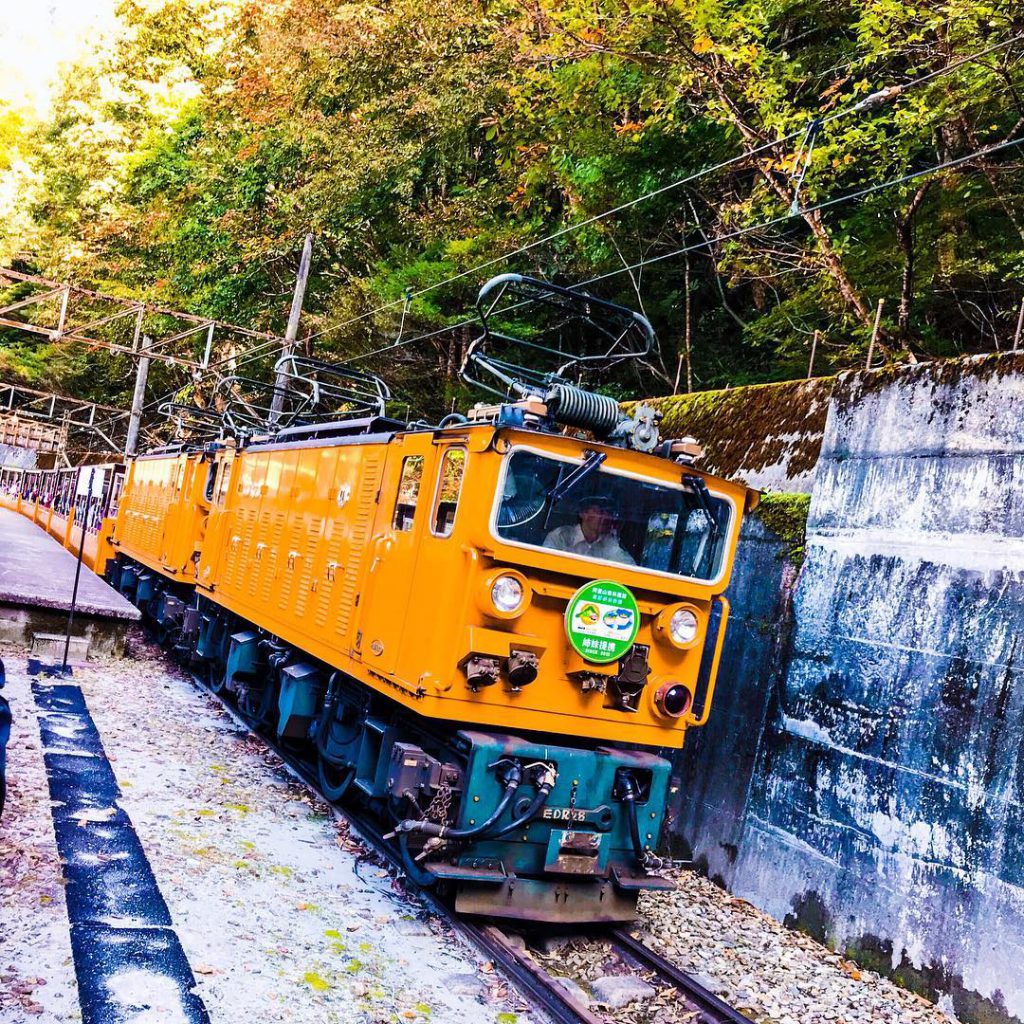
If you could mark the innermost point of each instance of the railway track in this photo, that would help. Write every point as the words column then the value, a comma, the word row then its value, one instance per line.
column 556, row 1002
column 710, row 1008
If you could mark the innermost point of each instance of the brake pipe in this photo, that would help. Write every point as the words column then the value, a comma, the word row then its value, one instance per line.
column 513, row 777
column 548, row 775
column 628, row 797
column 326, row 720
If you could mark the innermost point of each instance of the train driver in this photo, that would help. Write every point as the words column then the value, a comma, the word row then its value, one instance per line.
column 595, row 535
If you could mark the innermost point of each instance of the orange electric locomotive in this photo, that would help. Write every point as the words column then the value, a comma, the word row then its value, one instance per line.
column 473, row 625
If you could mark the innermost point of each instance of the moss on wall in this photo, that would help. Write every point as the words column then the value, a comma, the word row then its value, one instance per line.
column 786, row 516
column 853, row 386
column 748, row 429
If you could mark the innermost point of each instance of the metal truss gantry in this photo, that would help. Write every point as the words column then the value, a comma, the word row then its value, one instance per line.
column 64, row 312
column 44, row 420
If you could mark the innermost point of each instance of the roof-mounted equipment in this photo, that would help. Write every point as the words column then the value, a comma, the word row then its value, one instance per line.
column 248, row 404
column 307, row 392
column 193, row 424
column 337, row 391
column 535, row 364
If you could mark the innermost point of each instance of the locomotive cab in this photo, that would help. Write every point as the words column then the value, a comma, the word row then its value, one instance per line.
column 495, row 549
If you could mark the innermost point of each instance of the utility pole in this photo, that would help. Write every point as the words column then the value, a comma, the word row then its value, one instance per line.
column 82, row 526
column 292, row 331
column 814, row 349
column 135, row 419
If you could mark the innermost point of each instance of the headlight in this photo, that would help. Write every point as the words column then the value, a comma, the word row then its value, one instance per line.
column 679, row 625
column 506, row 594
column 503, row 594
column 683, row 626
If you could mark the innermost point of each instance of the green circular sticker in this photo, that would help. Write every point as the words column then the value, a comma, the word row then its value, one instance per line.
column 602, row 621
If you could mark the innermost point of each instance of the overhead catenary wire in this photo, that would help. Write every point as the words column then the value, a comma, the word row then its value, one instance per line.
column 479, row 268
column 813, row 208
column 876, row 99
column 873, row 101
column 707, row 243
column 710, row 242
column 737, row 233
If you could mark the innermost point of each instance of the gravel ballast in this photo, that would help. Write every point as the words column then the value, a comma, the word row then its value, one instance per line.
column 770, row 973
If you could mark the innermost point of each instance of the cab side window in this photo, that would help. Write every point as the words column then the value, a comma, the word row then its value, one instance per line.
column 211, row 478
column 449, row 486
column 408, row 492
column 222, row 485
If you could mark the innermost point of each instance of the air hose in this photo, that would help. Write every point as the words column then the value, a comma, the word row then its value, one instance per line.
column 544, row 787
column 628, row 796
column 513, row 776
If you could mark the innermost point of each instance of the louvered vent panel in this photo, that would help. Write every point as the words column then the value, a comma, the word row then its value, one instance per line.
column 362, row 520
column 326, row 595
column 286, row 535
column 314, row 524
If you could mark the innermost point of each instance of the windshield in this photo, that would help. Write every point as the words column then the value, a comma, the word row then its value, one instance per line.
column 608, row 517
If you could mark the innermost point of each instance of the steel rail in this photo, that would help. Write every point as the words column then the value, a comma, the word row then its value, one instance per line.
column 518, row 967
column 712, row 1009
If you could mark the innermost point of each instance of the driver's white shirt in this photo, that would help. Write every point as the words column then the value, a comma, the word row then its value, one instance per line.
column 570, row 538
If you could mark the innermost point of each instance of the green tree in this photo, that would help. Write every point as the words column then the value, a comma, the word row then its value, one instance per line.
column 417, row 140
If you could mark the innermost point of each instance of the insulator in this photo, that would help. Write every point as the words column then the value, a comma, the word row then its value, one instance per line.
column 584, row 409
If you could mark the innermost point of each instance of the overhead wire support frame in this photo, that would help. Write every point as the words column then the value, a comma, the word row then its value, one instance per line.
column 621, row 334
column 62, row 325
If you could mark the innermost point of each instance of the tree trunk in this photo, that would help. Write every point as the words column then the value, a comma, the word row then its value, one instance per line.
column 905, row 237
column 833, row 263
column 688, row 330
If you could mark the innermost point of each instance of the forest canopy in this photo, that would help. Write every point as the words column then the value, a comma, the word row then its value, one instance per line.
column 769, row 165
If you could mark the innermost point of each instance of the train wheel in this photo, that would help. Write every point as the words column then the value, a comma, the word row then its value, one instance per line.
column 334, row 779
column 256, row 702
column 216, row 676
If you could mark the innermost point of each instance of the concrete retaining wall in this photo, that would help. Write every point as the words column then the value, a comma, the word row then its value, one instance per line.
column 716, row 766
column 883, row 810
column 767, row 435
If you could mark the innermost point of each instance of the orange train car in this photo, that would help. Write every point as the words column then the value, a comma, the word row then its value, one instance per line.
column 483, row 629
column 76, row 505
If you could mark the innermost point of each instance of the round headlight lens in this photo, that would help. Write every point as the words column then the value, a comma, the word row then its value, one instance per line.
column 683, row 626
column 507, row 593
column 673, row 700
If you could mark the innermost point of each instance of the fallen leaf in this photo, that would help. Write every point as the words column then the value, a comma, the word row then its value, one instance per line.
column 315, row 982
